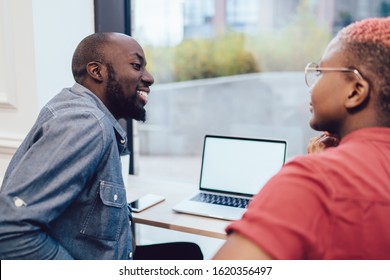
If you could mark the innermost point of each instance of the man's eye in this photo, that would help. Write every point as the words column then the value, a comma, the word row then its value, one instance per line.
column 136, row 66
column 317, row 72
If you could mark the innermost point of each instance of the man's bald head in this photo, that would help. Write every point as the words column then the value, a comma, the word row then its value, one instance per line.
column 91, row 48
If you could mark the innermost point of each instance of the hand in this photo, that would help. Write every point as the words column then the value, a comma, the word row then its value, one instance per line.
column 320, row 143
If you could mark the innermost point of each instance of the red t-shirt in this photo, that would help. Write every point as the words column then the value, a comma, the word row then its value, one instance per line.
column 332, row 205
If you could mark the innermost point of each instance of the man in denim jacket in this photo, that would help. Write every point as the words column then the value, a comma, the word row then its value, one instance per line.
column 63, row 194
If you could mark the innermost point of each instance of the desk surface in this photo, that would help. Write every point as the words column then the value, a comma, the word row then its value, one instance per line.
column 162, row 215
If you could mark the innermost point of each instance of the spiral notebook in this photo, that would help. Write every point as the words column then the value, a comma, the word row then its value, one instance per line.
column 233, row 170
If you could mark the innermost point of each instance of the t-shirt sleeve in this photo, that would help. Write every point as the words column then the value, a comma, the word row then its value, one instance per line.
column 289, row 217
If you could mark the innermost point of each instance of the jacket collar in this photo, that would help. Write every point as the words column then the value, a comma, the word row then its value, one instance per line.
column 89, row 94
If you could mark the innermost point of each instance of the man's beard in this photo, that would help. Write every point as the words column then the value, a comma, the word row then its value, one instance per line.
column 123, row 106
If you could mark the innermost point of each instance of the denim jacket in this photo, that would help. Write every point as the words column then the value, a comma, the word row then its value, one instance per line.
column 63, row 194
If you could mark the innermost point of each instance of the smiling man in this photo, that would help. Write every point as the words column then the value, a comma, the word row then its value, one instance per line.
column 63, row 194
column 112, row 66
column 334, row 204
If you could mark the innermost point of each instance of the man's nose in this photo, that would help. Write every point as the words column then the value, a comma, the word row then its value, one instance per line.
column 148, row 78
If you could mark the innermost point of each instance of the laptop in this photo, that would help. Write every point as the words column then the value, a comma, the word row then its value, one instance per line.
column 233, row 170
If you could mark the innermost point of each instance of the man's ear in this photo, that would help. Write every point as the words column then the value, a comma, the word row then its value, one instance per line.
column 95, row 71
column 359, row 94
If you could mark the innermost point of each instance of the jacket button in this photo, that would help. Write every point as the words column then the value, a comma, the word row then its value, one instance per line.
column 19, row 202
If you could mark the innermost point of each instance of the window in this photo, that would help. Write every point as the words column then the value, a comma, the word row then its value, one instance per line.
column 231, row 67
column 242, row 17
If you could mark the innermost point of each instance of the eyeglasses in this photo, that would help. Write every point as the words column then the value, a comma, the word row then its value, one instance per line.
column 313, row 71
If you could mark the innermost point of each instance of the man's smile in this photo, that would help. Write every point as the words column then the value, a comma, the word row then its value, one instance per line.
column 143, row 95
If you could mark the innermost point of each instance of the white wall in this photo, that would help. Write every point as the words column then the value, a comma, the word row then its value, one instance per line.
column 37, row 40
column 59, row 26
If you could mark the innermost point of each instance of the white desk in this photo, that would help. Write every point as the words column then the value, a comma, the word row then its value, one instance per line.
column 162, row 215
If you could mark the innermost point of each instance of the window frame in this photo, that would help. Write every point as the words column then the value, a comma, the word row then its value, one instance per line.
column 115, row 16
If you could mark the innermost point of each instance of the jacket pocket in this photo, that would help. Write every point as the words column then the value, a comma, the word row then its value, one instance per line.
column 108, row 214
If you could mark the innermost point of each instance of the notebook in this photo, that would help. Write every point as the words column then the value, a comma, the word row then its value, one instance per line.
column 233, row 170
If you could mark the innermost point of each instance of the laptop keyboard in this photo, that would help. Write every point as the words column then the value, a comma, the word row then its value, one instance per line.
column 222, row 200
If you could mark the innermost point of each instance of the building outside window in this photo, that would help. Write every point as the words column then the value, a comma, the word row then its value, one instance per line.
column 230, row 67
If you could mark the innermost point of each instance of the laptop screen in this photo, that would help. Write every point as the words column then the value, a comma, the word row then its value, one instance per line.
column 240, row 165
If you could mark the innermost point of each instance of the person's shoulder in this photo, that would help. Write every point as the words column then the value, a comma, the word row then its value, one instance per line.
column 313, row 162
column 306, row 159
column 69, row 103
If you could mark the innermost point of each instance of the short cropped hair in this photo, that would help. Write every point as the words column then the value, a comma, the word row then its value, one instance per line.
column 91, row 48
column 367, row 46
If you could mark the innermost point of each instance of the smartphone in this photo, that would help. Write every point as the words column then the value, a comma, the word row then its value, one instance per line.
column 145, row 201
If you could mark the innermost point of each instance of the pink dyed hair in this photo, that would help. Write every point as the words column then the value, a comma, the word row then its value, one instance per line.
column 371, row 30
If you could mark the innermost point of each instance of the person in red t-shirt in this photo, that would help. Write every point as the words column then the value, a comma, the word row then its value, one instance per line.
column 333, row 204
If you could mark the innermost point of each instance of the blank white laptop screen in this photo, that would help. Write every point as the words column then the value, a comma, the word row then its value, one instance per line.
column 240, row 165
column 233, row 170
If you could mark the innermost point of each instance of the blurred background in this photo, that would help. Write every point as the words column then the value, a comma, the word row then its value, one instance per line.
column 230, row 67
